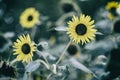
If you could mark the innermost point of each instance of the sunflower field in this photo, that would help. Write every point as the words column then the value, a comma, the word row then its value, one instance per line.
column 59, row 39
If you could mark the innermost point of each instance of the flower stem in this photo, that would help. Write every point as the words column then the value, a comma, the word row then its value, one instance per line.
column 33, row 32
column 49, row 76
column 13, row 61
column 63, row 53
column 47, row 66
column 43, row 56
column 63, row 17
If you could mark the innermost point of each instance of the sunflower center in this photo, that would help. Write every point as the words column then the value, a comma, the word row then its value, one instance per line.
column 72, row 50
column 81, row 29
column 113, row 11
column 30, row 18
column 26, row 48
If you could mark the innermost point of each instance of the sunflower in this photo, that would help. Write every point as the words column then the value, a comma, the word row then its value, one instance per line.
column 29, row 18
column 72, row 49
column 24, row 48
column 81, row 29
column 112, row 7
column 7, row 70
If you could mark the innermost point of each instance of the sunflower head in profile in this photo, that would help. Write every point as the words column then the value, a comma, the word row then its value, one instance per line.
column 24, row 48
column 81, row 29
column 112, row 8
column 29, row 18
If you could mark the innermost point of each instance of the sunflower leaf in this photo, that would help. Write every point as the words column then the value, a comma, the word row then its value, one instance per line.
column 32, row 66
column 99, row 33
column 78, row 65
column 9, row 34
column 61, row 28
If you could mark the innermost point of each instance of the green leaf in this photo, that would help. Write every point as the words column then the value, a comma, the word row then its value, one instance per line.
column 32, row 66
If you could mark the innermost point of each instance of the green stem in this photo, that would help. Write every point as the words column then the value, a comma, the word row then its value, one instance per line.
column 63, row 17
column 33, row 32
column 47, row 66
column 63, row 53
column 49, row 76
column 29, row 76
column 43, row 56
column 13, row 61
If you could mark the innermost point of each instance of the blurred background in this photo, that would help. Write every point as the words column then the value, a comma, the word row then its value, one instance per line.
column 100, row 56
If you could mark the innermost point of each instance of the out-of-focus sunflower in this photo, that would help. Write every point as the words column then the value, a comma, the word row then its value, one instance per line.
column 81, row 29
column 7, row 70
column 24, row 48
column 73, row 50
column 112, row 8
column 29, row 18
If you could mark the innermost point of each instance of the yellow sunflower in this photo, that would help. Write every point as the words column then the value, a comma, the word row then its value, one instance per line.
column 24, row 48
column 112, row 7
column 29, row 18
column 81, row 29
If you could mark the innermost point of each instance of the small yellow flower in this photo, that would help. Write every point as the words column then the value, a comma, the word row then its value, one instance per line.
column 112, row 9
column 81, row 29
column 29, row 18
column 24, row 48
